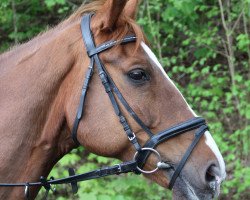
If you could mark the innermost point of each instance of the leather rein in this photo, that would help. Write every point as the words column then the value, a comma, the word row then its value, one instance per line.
column 142, row 152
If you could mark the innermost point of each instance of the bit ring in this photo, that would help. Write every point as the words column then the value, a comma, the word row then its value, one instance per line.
column 157, row 155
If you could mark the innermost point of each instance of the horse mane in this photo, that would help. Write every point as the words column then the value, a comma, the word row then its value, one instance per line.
column 128, row 24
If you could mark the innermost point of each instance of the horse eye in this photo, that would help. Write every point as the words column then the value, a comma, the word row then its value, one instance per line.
column 138, row 75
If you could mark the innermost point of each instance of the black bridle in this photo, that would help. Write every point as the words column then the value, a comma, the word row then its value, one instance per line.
column 142, row 152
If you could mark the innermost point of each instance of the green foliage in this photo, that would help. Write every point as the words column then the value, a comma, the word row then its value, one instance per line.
column 14, row 15
column 243, row 42
column 208, row 60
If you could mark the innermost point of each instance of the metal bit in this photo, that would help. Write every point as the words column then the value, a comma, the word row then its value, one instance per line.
column 163, row 165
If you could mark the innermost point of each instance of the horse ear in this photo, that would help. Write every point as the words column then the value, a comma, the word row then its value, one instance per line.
column 131, row 8
column 109, row 14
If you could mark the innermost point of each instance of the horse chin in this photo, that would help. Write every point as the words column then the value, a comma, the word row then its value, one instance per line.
column 183, row 190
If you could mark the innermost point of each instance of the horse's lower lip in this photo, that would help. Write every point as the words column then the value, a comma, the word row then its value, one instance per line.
column 183, row 190
column 181, row 193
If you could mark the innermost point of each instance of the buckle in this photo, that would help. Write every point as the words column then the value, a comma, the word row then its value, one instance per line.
column 131, row 137
column 119, row 168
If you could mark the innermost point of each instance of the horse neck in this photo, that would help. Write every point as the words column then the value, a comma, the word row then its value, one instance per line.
column 34, row 134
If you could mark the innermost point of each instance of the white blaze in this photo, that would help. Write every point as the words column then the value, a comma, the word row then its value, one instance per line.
column 209, row 139
column 211, row 143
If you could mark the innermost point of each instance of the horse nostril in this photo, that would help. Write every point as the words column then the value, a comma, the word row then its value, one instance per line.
column 211, row 174
column 213, row 178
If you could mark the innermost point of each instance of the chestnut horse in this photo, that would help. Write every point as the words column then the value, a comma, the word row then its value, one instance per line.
column 40, row 86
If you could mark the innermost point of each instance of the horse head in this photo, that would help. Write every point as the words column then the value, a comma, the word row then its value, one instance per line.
column 154, row 98
column 129, row 108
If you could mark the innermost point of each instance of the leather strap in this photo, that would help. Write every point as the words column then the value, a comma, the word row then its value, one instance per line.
column 128, row 108
column 187, row 154
column 125, row 167
column 82, row 101
column 107, row 45
column 93, row 54
column 106, row 171
column 167, row 134
column 94, row 51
